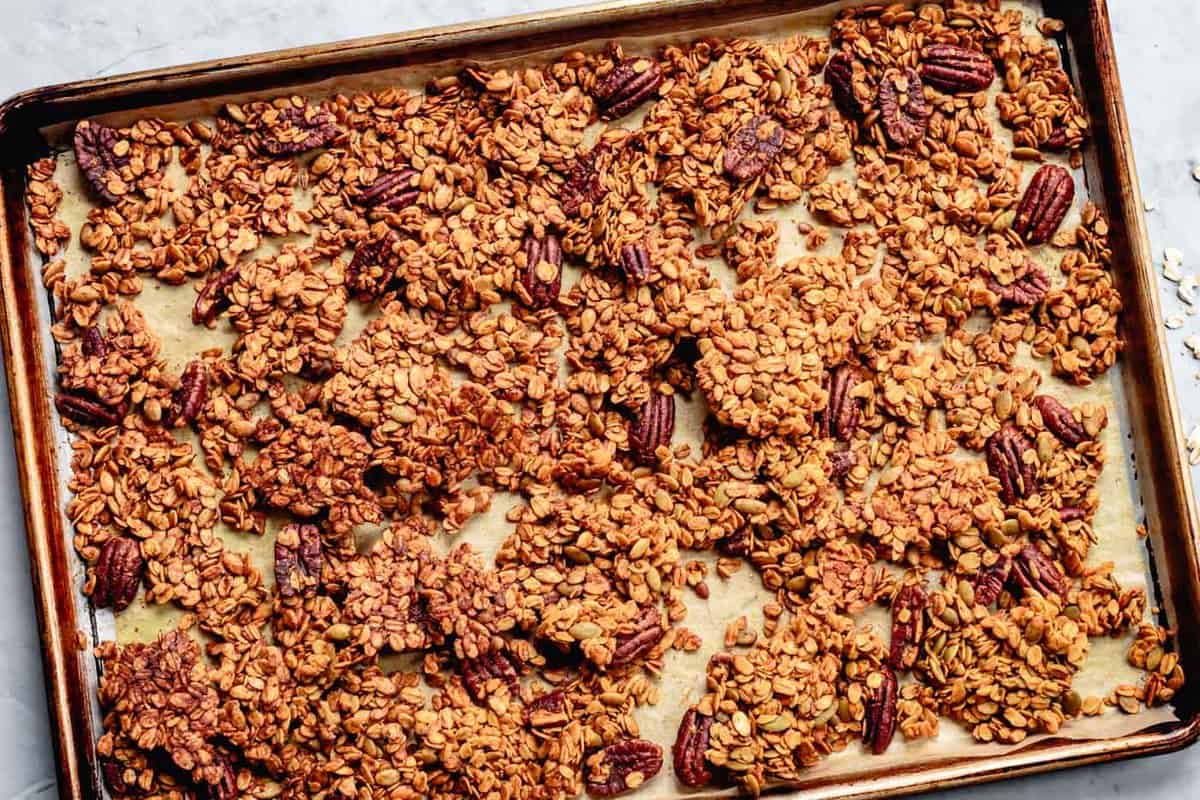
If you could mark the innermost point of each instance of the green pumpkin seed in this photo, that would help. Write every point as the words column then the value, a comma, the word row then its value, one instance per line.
column 583, row 631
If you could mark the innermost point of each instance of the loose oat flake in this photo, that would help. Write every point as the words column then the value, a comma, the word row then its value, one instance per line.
column 502, row 300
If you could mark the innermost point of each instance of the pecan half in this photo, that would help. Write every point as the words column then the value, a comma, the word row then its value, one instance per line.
column 1071, row 513
column 635, row 263
column 956, row 69
column 903, row 106
column 841, row 416
column 691, row 765
column 753, row 147
column 1057, row 140
column 542, row 275
column 373, row 265
column 114, row 776
column 1059, row 420
column 188, row 400
column 297, row 129
column 392, row 191
column 1033, row 570
column 879, row 725
column 224, row 789
column 627, row 86
column 547, row 711
column 633, row 646
column 844, row 73
column 118, row 574
column 990, row 580
column 1027, row 290
column 213, row 299
column 652, row 427
column 298, row 560
column 841, row 462
column 622, row 767
column 94, row 344
column 908, row 623
column 1045, row 204
column 1007, row 457
column 739, row 543
column 478, row 672
column 583, row 184
column 100, row 154
column 87, row 411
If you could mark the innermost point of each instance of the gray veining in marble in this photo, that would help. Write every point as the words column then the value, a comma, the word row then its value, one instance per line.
column 50, row 41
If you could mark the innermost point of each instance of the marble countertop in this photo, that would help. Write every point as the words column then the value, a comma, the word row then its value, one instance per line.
column 51, row 41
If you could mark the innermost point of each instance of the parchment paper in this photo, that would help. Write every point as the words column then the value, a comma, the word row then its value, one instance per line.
column 167, row 310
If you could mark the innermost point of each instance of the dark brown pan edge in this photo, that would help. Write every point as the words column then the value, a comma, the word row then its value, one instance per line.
column 1165, row 481
column 67, row 695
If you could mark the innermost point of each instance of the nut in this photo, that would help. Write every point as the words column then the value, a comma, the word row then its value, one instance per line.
column 541, row 276
column 1033, row 570
column 840, row 463
column 1071, row 513
column 841, row 417
column 1027, row 290
column 188, row 400
column 652, row 427
column 908, row 626
column 224, row 789
column 879, row 725
column 373, row 265
column 635, row 263
column 213, row 298
column 87, row 411
column 584, row 186
column 547, row 711
column 739, row 543
column 753, row 147
column 903, row 106
column 630, row 83
column 990, row 580
column 849, row 83
column 298, row 128
column 1059, row 420
column 118, row 574
column 622, row 767
column 298, row 560
column 1045, row 204
column 1008, row 459
column 956, row 69
column 633, row 646
column 94, row 345
column 114, row 776
column 392, row 191
column 478, row 674
column 691, row 765
column 97, row 157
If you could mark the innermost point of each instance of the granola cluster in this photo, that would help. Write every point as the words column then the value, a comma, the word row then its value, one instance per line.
column 537, row 254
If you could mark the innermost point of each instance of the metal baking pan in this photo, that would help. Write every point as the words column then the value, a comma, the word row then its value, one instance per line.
column 1148, row 413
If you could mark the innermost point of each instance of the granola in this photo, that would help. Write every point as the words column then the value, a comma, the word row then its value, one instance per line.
column 505, row 301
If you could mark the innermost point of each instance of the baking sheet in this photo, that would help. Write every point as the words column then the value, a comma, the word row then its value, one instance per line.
column 167, row 310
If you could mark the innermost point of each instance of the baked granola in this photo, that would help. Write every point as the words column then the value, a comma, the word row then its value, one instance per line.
column 408, row 341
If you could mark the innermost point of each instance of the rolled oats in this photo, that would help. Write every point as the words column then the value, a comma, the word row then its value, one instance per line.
column 867, row 415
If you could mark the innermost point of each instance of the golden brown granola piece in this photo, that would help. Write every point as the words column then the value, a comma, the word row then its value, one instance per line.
column 160, row 695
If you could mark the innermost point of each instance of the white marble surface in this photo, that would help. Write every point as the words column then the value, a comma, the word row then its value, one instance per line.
column 50, row 41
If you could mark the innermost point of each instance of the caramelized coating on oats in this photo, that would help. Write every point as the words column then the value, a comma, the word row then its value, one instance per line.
column 311, row 466
column 159, row 696
column 793, row 698
column 414, row 344
column 44, row 197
